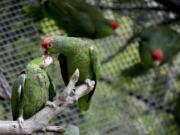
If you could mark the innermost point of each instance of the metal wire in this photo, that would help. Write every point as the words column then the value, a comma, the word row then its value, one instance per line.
column 121, row 105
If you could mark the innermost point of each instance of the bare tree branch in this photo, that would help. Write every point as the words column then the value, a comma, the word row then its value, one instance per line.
column 58, row 129
column 40, row 120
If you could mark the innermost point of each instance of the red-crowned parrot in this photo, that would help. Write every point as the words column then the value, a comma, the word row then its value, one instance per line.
column 76, row 17
column 157, row 45
column 31, row 90
column 75, row 53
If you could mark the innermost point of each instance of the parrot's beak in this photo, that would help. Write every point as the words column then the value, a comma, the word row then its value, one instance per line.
column 156, row 63
column 46, row 61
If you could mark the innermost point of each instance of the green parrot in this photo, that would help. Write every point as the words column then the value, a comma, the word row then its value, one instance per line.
column 76, row 17
column 32, row 90
column 75, row 53
column 157, row 45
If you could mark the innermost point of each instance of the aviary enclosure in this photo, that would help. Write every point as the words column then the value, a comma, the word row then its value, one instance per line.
column 122, row 105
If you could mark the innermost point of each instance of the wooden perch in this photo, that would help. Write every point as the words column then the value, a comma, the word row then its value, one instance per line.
column 39, row 122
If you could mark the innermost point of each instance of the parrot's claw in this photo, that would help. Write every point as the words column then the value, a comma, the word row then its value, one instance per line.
column 90, row 83
column 21, row 122
column 44, row 130
column 51, row 104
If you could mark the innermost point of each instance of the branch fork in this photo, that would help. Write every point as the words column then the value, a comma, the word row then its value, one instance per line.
column 39, row 122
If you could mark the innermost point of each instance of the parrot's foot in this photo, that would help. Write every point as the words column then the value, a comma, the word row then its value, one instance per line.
column 51, row 104
column 21, row 122
column 44, row 130
column 90, row 83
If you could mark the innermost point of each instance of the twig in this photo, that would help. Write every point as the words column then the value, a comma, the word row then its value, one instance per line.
column 57, row 129
column 121, row 49
column 121, row 7
column 40, row 120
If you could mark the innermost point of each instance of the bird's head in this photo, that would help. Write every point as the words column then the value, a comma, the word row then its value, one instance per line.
column 157, row 56
column 50, row 45
column 114, row 26
column 46, row 43
column 48, row 48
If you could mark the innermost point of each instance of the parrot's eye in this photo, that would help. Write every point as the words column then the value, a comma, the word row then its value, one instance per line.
column 157, row 55
column 46, row 43
column 50, row 45
column 114, row 24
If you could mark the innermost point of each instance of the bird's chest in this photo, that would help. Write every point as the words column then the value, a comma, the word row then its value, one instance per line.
column 82, row 62
column 36, row 86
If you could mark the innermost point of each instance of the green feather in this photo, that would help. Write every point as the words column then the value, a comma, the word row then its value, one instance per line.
column 31, row 90
column 76, row 17
column 154, row 38
column 162, row 38
column 76, row 53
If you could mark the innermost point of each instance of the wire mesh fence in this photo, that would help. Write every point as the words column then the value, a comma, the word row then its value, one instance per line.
column 121, row 105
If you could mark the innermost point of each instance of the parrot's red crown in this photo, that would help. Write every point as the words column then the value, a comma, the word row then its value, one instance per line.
column 114, row 24
column 157, row 55
column 46, row 42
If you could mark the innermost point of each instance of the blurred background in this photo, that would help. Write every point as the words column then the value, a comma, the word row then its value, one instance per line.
column 121, row 105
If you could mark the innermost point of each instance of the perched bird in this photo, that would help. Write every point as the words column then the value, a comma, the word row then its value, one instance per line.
column 76, row 17
column 157, row 45
column 32, row 90
column 75, row 53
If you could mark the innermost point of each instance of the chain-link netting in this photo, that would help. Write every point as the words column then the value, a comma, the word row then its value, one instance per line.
column 121, row 105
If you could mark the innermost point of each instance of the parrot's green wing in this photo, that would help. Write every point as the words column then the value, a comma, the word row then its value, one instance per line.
column 63, row 65
column 52, row 91
column 17, row 93
column 84, row 102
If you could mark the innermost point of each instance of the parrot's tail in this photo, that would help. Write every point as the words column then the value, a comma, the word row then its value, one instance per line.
column 84, row 103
